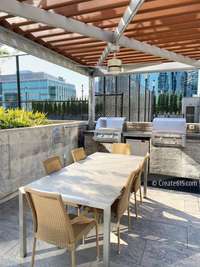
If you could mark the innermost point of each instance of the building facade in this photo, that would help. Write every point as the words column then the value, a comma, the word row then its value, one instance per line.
column 191, row 109
column 182, row 82
column 34, row 86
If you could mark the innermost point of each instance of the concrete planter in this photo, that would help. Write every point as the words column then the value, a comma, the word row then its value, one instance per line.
column 23, row 150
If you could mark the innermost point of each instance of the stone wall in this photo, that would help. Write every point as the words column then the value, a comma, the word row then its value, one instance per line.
column 23, row 150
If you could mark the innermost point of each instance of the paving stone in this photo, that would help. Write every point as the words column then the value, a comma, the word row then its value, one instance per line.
column 173, row 254
column 163, row 235
column 131, row 252
column 194, row 237
column 153, row 230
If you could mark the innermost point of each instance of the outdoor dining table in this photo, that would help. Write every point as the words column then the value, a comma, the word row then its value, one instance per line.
column 95, row 181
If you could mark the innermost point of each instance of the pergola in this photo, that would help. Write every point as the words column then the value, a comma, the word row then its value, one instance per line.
column 78, row 34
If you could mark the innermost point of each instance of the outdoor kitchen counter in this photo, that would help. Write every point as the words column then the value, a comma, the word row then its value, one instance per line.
column 177, row 162
column 169, row 161
column 172, row 161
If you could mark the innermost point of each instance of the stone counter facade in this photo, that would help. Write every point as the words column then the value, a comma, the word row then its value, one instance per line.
column 23, row 150
column 177, row 162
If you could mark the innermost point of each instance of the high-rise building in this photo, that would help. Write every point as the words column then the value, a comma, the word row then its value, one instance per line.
column 34, row 86
column 163, row 82
column 192, row 83
column 181, row 82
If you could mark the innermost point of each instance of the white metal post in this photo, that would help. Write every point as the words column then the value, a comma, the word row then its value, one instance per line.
column 146, row 178
column 91, row 107
column 106, row 237
column 129, row 13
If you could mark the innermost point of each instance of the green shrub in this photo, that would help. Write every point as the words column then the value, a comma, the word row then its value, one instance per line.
column 14, row 118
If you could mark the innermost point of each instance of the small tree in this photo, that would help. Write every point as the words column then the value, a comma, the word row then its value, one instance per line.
column 166, row 103
column 46, row 106
column 175, row 103
column 72, row 107
column 38, row 106
column 158, row 109
column 180, row 103
column 33, row 106
column 50, row 108
column 63, row 110
column 55, row 109
column 171, row 101
column 162, row 103
column 59, row 109
column 154, row 105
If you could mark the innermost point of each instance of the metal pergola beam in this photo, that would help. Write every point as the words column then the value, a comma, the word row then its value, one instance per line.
column 68, row 24
column 156, row 51
column 91, row 106
column 25, row 45
column 163, row 67
column 123, row 24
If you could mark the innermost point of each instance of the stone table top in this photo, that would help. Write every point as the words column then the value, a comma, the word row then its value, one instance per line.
column 95, row 181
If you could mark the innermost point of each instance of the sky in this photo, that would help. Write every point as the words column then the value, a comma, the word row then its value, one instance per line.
column 8, row 66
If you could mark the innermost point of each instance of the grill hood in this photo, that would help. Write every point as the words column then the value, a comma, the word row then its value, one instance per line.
column 109, row 129
column 169, row 125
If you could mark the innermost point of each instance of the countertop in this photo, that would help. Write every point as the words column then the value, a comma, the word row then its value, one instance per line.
column 143, row 134
column 128, row 133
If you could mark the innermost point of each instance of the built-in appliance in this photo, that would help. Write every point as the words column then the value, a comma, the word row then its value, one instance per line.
column 109, row 129
column 169, row 132
column 139, row 147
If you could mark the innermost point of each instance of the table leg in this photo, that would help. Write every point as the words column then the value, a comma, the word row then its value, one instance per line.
column 106, row 232
column 22, row 225
column 146, row 178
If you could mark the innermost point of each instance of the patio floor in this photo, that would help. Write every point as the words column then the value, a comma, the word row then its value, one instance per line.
column 167, row 233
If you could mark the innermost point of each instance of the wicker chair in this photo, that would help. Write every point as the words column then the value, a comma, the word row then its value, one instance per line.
column 53, row 225
column 136, row 186
column 52, row 164
column 121, row 148
column 78, row 154
column 122, row 203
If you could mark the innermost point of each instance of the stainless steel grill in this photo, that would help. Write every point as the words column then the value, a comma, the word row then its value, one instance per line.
column 109, row 129
column 169, row 132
